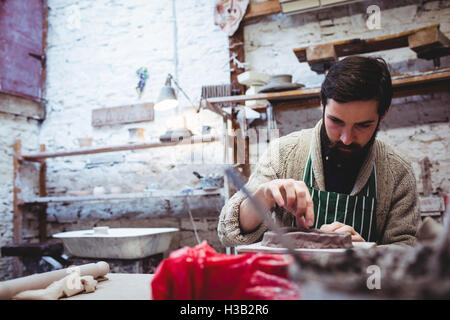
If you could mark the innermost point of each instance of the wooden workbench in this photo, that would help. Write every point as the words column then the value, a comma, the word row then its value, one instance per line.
column 120, row 286
column 136, row 286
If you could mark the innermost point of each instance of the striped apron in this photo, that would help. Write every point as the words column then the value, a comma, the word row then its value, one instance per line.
column 358, row 211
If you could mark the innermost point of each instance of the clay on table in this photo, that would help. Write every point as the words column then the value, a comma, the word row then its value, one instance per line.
column 309, row 239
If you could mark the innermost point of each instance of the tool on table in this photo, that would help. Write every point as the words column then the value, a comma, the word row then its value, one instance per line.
column 287, row 243
column 211, row 182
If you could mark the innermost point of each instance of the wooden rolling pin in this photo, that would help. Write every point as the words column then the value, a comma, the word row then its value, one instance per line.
column 10, row 288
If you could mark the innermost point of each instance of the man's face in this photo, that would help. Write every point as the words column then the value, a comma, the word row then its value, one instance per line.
column 350, row 125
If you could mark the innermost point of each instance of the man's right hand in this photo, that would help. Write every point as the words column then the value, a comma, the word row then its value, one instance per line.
column 293, row 195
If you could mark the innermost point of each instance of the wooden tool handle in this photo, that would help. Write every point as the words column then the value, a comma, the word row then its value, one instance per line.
column 10, row 288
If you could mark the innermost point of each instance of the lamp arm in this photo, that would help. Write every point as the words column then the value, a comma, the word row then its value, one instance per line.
column 178, row 86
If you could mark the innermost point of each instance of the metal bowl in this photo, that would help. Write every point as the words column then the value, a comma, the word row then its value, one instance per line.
column 117, row 243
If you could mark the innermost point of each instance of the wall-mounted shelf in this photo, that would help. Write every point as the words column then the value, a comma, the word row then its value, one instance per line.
column 407, row 84
column 121, row 196
column 43, row 200
column 36, row 157
column 428, row 42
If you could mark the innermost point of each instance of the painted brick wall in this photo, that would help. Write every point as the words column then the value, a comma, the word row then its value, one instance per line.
column 416, row 126
column 94, row 50
column 12, row 128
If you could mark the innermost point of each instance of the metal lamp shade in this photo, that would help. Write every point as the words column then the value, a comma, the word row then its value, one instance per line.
column 167, row 99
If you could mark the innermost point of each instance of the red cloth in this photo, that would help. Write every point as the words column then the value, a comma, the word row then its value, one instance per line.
column 202, row 273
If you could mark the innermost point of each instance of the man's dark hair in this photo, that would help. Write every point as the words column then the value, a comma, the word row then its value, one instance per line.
column 358, row 78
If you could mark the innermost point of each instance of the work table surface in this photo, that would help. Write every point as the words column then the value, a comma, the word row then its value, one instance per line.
column 133, row 286
column 120, row 286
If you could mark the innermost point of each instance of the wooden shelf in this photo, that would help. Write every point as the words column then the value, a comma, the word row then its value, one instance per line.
column 122, row 196
column 262, row 9
column 428, row 42
column 407, row 84
column 43, row 200
column 36, row 157
column 275, row 96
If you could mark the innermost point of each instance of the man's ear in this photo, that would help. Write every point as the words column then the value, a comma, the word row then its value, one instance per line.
column 384, row 115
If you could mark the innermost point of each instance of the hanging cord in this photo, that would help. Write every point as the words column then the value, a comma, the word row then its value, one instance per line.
column 193, row 222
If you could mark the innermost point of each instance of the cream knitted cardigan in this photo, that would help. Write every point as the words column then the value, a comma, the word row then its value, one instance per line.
column 397, row 201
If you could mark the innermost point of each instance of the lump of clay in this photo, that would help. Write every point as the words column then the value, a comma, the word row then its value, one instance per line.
column 309, row 239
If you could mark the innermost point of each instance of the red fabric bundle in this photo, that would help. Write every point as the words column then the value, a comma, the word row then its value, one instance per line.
column 202, row 273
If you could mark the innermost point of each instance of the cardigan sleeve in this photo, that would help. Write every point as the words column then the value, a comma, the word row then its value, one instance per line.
column 229, row 231
column 403, row 217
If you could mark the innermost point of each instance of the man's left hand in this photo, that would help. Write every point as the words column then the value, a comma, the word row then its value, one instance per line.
column 340, row 227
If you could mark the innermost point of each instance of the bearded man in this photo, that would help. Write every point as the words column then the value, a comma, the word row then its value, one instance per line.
column 336, row 176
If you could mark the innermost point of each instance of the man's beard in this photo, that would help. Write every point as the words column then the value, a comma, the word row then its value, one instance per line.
column 355, row 151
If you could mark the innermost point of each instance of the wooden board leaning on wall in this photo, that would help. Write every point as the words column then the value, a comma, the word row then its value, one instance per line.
column 123, row 114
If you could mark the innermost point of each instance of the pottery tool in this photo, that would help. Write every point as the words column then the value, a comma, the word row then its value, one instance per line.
column 286, row 242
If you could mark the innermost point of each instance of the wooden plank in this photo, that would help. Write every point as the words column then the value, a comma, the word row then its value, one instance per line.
column 291, row 7
column 21, row 107
column 123, row 196
column 284, row 95
column 193, row 140
column 321, row 57
column 421, row 83
column 409, row 84
column 236, row 48
column 360, row 46
column 17, row 209
column 17, row 218
column 427, row 38
column 123, row 114
column 425, row 176
column 44, row 50
column 42, row 218
column 422, row 89
column 431, row 204
column 296, row 104
column 261, row 9
column 321, row 52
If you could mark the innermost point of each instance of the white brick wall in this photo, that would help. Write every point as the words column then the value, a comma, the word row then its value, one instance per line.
column 92, row 63
column 416, row 126
column 12, row 128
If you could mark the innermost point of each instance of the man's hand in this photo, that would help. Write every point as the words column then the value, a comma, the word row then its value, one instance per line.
column 293, row 195
column 340, row 227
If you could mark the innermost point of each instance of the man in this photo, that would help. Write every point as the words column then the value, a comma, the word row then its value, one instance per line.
column 336, row 176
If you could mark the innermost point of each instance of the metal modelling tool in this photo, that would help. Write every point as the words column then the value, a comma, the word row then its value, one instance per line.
column 239, row 184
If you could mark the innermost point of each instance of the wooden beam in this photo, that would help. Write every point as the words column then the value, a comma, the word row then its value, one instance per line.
column 409, row 84
column 124, row 114
column 321, row 57
column 425, row 176
column 419, row 37
column 37, row 157
column 17, row 217
column 284, row 95
column 427, row 38
column 21, row 107
column 236, row 48
column 42, row 218
column 122, row 196
column 261, row 9
column 17, row 209
column 44, row 52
